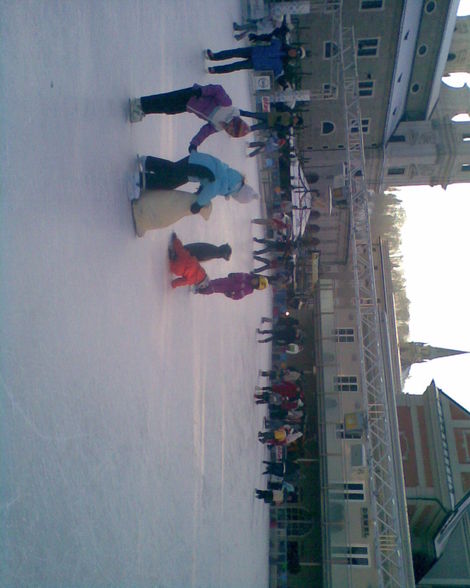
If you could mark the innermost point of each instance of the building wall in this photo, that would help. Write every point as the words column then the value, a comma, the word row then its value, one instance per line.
column 436, row 460
column 459, row 54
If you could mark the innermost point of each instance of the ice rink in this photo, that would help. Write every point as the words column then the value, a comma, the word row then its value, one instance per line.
column 129, row 452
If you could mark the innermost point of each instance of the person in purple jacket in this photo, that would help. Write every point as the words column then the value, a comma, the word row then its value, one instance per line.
column 236, row 285
column 271, row 57
column 211, row 103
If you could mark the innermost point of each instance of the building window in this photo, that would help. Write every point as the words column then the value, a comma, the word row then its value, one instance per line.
column 346, row 491
column 357, row 455
column 397, row 139
column 330, row 49
column 465, row 167
column 415, row 88
column 430, row 6
column 342, row 434
column 368, row 47
column 365, row 522
column 345, row 384
column 329, row 92
column 350, row 555
column 396, row 171
column 451, row 57
column 422, row 50
column 372, row 4
column 327, row 127
column 466, row 138
column 365, row 122
column 366, row 88
column 344, row 335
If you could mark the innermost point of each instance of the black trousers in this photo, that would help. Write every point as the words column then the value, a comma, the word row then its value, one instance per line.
column 205, row 251
column 162, row 174
column 168, row 103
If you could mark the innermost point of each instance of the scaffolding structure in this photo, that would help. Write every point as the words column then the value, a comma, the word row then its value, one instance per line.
column 393, row 565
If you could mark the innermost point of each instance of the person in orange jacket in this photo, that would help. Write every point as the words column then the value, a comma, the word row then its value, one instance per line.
column 186, row 266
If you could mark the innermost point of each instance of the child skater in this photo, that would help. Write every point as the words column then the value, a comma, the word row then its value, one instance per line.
column 184, row 265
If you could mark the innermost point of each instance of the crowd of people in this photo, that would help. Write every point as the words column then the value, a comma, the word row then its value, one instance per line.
column 284, row 426
column 157, row 202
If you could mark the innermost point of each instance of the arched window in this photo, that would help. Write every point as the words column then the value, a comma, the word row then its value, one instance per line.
column 327, row 127
column 330, row 49
column 462, row 117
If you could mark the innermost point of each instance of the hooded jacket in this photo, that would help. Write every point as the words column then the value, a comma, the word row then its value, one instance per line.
column 226, row 182
column 215, row 106
column 234, row 286
column 185, row 265
column 269, row 57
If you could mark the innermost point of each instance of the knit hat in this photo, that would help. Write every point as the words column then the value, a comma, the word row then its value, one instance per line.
column 237, row 127
column 245, row 194
column 262, row 283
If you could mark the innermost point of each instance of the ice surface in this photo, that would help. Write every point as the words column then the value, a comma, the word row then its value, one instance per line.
column 128, row 451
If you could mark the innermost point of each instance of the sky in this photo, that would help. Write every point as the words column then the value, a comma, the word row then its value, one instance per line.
column 435, row 246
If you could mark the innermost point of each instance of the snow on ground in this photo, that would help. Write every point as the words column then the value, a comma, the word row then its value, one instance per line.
column 129, row 454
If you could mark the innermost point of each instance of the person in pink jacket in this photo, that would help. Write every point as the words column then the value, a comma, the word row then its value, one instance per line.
column 236, row 285
column 211, row 103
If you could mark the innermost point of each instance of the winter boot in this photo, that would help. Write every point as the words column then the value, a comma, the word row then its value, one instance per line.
column 141, row 170
column 133, row 187
column 136, row 114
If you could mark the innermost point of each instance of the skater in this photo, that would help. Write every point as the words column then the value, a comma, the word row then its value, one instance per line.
column 271, row 496
column 278, row 222
column 259, row 58
column 266, row 396
column 288, row 374
column 215, row 177
column 281, row 334
column 285, row 435
column 284, row 485
column 280, row 122
column 280, row 468
column 184, row 265
column 274, row 143
column 265, row 28
column 211, row 103
column 285, row 320
column 236, row 285
column 282, row 246
column 289, row 390
column 207, row 251
column 274, row 263
column 157, row 209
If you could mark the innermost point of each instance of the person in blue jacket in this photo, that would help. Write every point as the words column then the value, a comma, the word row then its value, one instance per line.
column 271, row 57
column 214, row 176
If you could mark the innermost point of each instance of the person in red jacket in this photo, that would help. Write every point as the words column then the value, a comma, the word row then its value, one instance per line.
column 186, row 266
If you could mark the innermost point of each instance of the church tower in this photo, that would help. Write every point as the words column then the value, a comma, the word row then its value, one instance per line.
column 415, row 352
